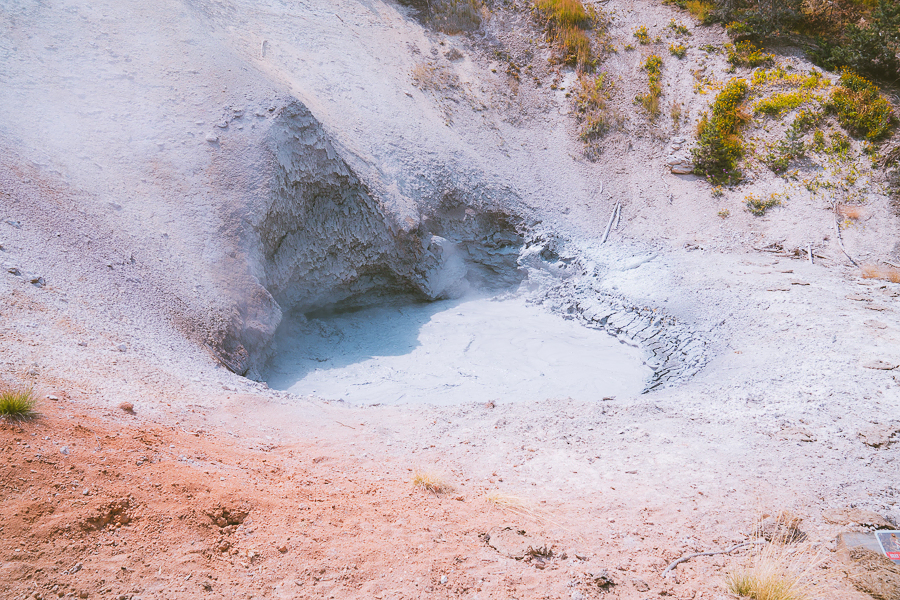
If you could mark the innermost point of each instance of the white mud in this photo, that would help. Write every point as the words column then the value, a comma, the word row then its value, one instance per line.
column 455, row 351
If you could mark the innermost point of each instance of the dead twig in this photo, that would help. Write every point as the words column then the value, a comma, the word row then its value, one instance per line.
column 837, row 230
column 710, row 553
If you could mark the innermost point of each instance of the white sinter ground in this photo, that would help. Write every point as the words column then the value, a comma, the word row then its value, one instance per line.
column 454, row 351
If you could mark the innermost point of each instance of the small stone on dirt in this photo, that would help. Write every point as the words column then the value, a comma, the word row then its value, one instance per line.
column 880, row 436
column 856, row 516
column 880, row 365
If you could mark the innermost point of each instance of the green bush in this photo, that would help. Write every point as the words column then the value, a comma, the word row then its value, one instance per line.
column 720, row 147
column 642, row 35
column 650, row 101
column 758, row 207
column 745, row 54
column 18, row 404
column 778, row 104
column 869, row 48
column 678, row 51
column 860, row 108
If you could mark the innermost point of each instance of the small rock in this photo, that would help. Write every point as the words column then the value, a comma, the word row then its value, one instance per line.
column 283, row 549
column 121, row 347
column 680, row 164
column 37, row 281
column 600, row 578
column 856, row 516
column 64, row 450
column 444, row 579
column 127, row 407
column 211, row 138
column 52, row 397
column 880, row 436
column 640, row 585
column 16, row 224
column 576, row 595
column 14, row 271
column 86, row 492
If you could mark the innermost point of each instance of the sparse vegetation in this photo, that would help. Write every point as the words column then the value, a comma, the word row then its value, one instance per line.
column 745, row 54
column 788, row 149
column 723, row 213
column 677, row 113
column 592, row 111
column 860, row 108
column 758, row 206
column 449, row 16
column 679, row 28
column 720, row 147
column 431, row 482
column 677, row 50
column 650, row 101
column 431, row 76
column 642, row 35
column 18, row 403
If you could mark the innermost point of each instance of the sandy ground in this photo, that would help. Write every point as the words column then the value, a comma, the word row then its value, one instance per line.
column 125, row 235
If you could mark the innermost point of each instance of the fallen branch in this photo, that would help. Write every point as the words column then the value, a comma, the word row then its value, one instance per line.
column 837, row 230
column 609, row 225
column 711, row 553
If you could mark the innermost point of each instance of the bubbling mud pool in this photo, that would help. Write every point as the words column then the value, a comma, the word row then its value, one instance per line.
column 452, row 351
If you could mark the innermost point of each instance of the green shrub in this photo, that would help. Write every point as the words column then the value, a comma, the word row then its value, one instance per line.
column 818, row 143
column 678, row 51
column 650, row 101
column 860, row 108
column 642, row 35
column 840, row 144
column 788, row 149
column 18, row 403
column 720, row 147
column 745, row 54
column 758, row 207
column 679, row 28
column 869, row 46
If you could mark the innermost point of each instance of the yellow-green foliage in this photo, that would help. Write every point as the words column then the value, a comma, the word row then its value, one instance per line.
column 860, row 108
column 779, row 76
column 720, row 147
column 679, row 28
column 678, row 50
column 758, row 207
column 745, row 54
column 17, row 403
column 778, row 104
column 568, row 22
column 650, row 101
column 642, row 35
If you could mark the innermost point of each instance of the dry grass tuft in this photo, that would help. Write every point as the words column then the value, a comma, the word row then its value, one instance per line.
column 431, row 482
column 18, row 403
column 891, row 274
column 851, row 212
column 780, row 570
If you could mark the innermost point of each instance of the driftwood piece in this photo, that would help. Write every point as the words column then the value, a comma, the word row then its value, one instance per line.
column 710, row 553
column 609, row 225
